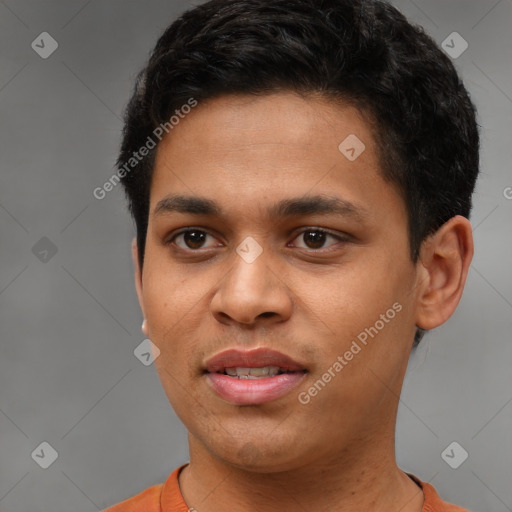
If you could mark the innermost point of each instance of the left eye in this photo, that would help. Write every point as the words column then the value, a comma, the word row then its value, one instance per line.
column 315, row 238
column 192, row 239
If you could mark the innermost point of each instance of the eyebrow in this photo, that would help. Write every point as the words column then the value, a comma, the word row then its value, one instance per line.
column 296, row 206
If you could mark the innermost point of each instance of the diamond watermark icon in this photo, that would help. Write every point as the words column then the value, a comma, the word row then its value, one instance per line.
column 44, row 250
column 454, row 45
column 45, row 455
column 146, row 352
column 454, row 455
column 249, row 249
column 352, row 147
column 44, row 45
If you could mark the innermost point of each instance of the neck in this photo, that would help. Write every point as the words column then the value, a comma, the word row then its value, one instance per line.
column 362, row 476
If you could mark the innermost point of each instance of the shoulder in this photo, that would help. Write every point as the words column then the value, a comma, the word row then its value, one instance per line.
column 148, row 500
column 433, row 502
column 166, row 496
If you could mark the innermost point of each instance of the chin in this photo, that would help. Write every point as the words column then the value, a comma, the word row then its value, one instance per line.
column 260, row 456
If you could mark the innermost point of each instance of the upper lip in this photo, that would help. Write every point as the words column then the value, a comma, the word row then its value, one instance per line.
column 255, row 358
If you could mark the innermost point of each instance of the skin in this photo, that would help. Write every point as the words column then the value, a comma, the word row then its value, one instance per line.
column 307, row 301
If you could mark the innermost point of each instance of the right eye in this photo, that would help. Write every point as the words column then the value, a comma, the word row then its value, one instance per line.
column 192, row 239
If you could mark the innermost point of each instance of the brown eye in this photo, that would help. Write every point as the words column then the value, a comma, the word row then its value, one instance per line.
column 315, row 239
column 192, row 239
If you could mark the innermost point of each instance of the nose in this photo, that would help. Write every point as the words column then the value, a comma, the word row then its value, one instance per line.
column 251, row 293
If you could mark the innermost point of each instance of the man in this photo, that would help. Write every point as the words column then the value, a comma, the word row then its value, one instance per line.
column 300, row 173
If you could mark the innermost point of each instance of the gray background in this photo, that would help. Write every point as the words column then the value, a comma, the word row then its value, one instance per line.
column 69, row 325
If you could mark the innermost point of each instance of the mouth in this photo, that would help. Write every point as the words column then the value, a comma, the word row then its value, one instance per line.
column 253, row 377
column 254, row 373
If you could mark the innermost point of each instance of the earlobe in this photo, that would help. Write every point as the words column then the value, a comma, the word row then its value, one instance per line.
column 444, row 264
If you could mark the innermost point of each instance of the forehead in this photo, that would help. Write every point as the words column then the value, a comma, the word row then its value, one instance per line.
column 263, row 123
column 244, row 147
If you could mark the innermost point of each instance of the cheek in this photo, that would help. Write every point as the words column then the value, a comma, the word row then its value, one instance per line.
column 368, row 304
column 168, row 293
column 349, row 298
column 168, row 304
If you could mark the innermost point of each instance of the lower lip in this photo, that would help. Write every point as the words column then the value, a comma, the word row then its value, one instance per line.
column 253, row 391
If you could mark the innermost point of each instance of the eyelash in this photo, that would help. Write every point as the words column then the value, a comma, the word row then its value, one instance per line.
column 339, row 238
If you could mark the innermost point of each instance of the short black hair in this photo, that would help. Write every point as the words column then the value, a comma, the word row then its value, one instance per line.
column 359, row 52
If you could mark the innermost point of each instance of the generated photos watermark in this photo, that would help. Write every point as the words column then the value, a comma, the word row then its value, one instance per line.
column 356, row 346
column 151, row 142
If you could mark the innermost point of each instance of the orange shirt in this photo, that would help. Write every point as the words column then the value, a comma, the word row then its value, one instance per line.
column 167, row 497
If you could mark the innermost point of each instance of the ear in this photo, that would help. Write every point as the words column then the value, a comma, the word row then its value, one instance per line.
column 444, row 263
column 138, row 274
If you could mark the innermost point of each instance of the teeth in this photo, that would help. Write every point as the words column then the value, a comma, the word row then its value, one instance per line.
column 252, row 373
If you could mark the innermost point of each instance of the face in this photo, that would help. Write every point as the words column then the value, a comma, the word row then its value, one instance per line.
column 268, row 239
